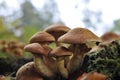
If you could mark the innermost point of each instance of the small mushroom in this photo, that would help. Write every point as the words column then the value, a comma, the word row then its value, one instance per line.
column 79, row 38
column 17, row 52
column 44, row 39
column 57, row 30
column 39, row 51
column 60, row 53
column 28, row 72
column 109, row 36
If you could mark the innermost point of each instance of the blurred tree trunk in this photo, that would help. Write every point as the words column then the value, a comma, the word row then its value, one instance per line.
column 47, row 15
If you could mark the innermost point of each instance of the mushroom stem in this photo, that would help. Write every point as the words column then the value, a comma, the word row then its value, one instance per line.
column 76, row 61
column 57, row 43
column 61, row 67
column 41, row 67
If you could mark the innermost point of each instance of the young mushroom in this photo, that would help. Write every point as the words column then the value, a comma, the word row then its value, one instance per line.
column 60, row 53
column 81, row 40
column 109, row 36
column 45, row 39
column 39, row 51
column 28, row 72
column 57, row 30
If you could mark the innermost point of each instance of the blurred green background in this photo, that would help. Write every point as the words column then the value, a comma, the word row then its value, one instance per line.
column 22, row 23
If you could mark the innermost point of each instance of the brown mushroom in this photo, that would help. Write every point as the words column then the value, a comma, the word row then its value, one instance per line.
column 45, row 39
column 79, row 35
column 28, row 72
column 79, row 38
column 4, row 46
column 15, row 44
column 39, row 51
column 92, row 76
column 110, row 36
column 57, row 30
column 95, row 76
column 2, row 77
column 17, row 52
column 60, row 53
column 42, row 38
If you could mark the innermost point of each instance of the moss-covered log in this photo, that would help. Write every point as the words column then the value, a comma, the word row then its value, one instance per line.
column 105, row 59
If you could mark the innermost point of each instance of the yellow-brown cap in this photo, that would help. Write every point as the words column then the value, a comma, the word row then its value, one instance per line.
column 36, row 48
column 110, row 36
column 79, row 35
column 57, row 30
column 41, row 36
column 60, row 51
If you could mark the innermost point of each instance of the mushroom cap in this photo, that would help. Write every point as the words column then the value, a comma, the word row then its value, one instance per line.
column 57, row 30
column 2, row 77
column 79, row 35
column 28, row 72
column 109, row 36
column 42, row 36
column 95, row 76
column 60, row 51
column 17, row 52
column 36, row 48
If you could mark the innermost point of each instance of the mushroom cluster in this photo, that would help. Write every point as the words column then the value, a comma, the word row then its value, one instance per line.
column 13, row 47
column 62, row 62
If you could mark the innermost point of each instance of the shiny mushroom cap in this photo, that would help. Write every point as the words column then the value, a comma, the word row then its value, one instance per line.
column 79, row 35
column 41, row 37
column 110, row 36
column 36, row 48
column 60, row 51
column 57, row 30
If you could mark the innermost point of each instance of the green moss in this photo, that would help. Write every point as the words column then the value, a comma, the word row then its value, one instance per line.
column 106, row 60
